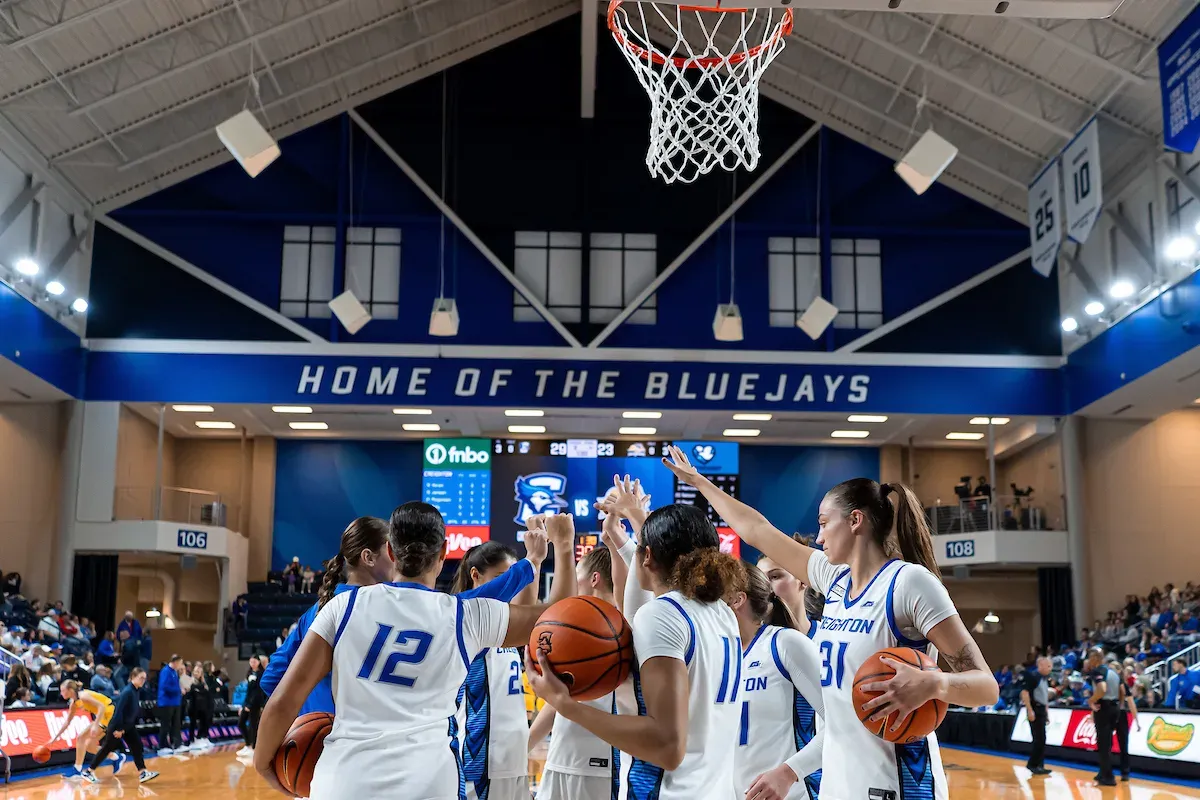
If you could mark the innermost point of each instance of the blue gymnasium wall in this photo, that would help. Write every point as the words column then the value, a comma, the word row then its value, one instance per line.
column 320, row 486
column 520, row 158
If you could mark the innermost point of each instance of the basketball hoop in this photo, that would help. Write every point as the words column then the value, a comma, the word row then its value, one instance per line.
column 703, row 88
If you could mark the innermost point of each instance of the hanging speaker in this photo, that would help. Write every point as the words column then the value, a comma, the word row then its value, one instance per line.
column 817, row 317
column 443, row 320
column 248, row 141
column 727, row 324
column 349, row 311
column 925, row 162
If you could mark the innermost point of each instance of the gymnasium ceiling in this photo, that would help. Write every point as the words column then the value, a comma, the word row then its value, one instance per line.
column 121, row 96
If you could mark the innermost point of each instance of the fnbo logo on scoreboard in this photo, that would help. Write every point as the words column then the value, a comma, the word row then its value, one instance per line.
column 457, row 453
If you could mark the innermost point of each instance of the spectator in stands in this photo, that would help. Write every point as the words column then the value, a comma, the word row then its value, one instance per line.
column 47, row 676
column 291, row 575
column 1004, row 676
column 1182, row 687
column 22, row 699
column 72, row 671
column 106, row 652
column 8, row 639
column 170, row 714
column 200, row 709
column 18, row 679
column 48, row 627
column 185, row 679
column 130, row 657
column 1189, row 626
column 12, row 585
column 130, row 625
column 102, row 682
column 1157, row 648
column 307, row 576
column 88, row 661
column 222, row 690
column 279, row 640
column 241, row 613
column 35, row 657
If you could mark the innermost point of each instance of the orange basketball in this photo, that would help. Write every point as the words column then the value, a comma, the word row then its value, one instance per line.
column 41, row 754
column 297, row 756
column 587, row 642
column 921, row 722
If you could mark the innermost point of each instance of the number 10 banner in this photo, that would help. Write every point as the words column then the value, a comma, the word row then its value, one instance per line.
column 1045, row 234
column 1081, row 173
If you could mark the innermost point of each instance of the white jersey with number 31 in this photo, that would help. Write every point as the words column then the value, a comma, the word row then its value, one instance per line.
column 400, row 655
column 898, row 607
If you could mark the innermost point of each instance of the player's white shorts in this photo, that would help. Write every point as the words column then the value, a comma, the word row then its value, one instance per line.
column 501, row 789
column 560, row 786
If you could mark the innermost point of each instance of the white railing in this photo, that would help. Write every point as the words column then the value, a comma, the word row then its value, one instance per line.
column 173, row 504
column 1160, row 674
column 1001, row 512
column 7, row 659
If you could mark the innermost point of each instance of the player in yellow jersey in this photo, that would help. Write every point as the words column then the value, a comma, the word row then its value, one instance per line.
column 85, row 701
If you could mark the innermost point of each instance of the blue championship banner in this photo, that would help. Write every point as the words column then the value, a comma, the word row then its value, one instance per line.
column 259, row 378
column 1179, row 75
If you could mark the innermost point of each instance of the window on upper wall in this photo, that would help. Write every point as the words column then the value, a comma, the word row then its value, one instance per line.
column 857, row 283
column 306, row 276
column 550, row 265
column 793, row 278
column 373, row 269
column 621, row 266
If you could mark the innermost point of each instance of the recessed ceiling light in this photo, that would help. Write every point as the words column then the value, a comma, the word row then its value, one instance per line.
column 1094, row 308
column 1121, row 290
column 994, row 420
column 524, row 412
column 55, row 288
column 866, row 418
column 636, row 431
column 752, row 417
column 741, row 432
column 421, row 426
column 1070, row 324
column 309, row 426
column 214, row 425
column 27, row 266
column 79, row 306
column 190, row 409
column 850, row 434
column 292, row 409
column 413, row 412
column 964, row 437
column 526, row 428
column 641, row 414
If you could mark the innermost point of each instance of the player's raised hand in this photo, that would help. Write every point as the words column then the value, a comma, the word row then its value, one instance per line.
column 561, row 530
column 679, row 464
column 536, row 541
column 613, row 531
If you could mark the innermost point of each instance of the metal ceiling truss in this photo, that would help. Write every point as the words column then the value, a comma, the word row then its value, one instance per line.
column 35, row 20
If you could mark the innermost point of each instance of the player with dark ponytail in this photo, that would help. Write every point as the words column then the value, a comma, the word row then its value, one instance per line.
column 882, row 588
column 365, row 557
column 781, row 675
column 688, row 651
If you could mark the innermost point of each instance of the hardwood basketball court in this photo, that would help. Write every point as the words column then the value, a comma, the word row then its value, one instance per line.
column 219, row 774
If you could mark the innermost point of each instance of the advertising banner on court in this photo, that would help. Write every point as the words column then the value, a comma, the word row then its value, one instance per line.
column 1045, row 235
column 1162, row 735
column 1179, row 78
column 358, row 380
column 26, row 728
column 1081, row 180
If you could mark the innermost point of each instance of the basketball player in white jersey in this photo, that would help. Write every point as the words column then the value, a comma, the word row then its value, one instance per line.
column 781, row 695
column 688, row 650
column 790, row 590
column 882, row 589
column 492, row 718
column 579, row 766
column 399, row 654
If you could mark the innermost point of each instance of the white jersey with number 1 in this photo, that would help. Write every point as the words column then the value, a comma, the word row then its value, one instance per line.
column 400, row 655
column 898, row 607
column 705, row 637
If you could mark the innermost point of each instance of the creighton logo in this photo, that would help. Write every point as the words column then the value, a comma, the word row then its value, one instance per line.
column 539, row 493
column 704, row 453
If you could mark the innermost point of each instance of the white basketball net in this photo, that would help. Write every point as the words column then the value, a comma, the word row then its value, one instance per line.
column 704, row 87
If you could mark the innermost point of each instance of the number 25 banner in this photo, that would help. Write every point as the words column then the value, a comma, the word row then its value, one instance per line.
column 1045, row 235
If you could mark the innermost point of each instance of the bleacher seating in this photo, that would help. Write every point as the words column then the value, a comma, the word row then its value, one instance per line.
column 271, row 610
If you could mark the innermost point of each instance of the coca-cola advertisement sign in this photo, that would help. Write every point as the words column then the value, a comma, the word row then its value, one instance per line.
column 26, row 728
column 1081, row 732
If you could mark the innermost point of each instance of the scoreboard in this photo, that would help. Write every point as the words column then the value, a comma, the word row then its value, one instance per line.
column 488, row 488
